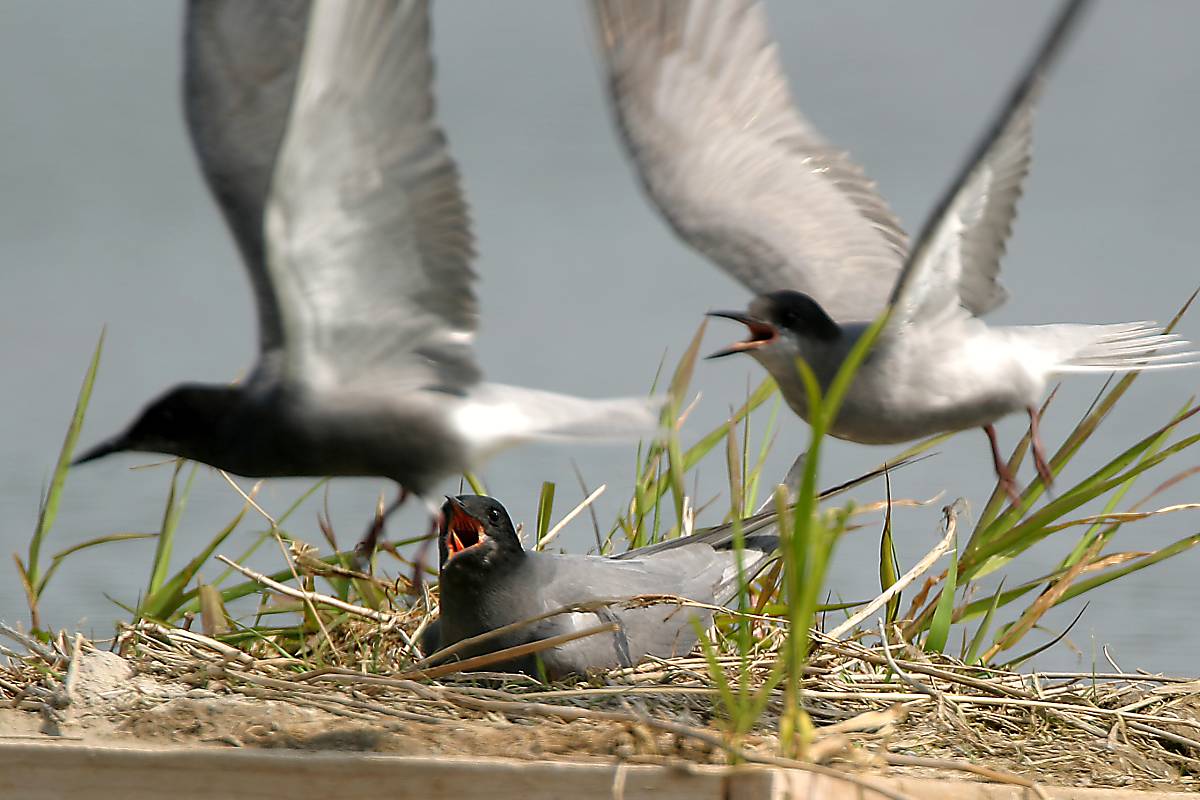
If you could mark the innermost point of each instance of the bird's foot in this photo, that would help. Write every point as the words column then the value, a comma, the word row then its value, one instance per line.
column 1007, row 482
column 1039, row 452
column 1009, row 485
column 1043, row 469
column 364, row 551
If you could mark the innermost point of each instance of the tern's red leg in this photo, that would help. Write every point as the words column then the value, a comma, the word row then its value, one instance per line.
column 1039, row 453
column 1007, row 482
column 366, row 548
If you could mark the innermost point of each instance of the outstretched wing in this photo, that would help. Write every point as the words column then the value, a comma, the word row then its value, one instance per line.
column 703, row 104
column 240, row 64
column 955, row 263
column 368, row 236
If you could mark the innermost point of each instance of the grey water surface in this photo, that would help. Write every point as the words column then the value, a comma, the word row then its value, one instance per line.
column 104, row 222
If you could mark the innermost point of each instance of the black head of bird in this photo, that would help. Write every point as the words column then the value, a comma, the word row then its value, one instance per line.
column 477, row 533
column 776, row 315
column 183, row 421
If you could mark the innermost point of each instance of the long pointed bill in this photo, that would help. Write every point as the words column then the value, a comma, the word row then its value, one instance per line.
column 761, row 333
column 463, row 531
column 109, row 446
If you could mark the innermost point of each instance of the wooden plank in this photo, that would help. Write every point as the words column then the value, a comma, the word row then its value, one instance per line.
column 793, row 785
column 55, row 771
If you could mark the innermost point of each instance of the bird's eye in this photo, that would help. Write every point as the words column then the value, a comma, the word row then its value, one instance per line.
column 493, row 515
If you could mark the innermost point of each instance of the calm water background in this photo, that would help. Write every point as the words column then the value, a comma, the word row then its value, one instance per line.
column 104, row 221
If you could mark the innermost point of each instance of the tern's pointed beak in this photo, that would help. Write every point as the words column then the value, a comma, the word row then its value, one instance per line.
column 761, row 333
column 463, row 531
column 116, row 444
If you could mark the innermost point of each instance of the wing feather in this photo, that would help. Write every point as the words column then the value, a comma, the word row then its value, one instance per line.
column 705, row 112
column 369, row 238
column 955, row 263
column 240, row 65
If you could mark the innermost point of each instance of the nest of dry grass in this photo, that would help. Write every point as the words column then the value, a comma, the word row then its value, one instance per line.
column 875, row 707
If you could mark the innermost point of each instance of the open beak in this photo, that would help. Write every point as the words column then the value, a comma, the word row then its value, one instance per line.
column 109, row 446
column 761, row 333
column 463, row 531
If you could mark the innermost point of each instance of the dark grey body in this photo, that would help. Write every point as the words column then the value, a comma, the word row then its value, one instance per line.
column 700, row 568
column 275, row 429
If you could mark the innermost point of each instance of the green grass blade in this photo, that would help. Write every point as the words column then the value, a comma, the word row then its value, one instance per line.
column 545, row 510
column 1098, row 530
column 754, row 476
column 656, row 485
column 734, row 464
column 190, row 604
column 176, row 502
column 1084, row 586
column 889, row 571
column 163, row 603
column 939, row 628
column 681, row 380
column 1021, row 659
column 982, row 631
column 675, row 474
column 61, row 555
column 1001, row 538
column 49, row 508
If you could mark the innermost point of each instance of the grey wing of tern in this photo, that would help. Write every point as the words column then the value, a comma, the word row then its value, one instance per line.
column 368, row 240
column 240, row 65
column 703, row 106
column 955, row 261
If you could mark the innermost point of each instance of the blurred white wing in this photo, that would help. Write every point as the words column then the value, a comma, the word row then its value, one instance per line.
column 955, row 263
column 703, row 104
column 368, row 235
column 240, row 65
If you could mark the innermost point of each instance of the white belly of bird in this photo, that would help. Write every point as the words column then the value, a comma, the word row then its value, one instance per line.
column 914, row 390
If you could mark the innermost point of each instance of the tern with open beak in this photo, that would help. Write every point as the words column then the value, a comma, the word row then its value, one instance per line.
column 487, row 581
column 318, row 137
column 703, row 106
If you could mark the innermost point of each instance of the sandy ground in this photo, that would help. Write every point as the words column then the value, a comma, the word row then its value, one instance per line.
column 109, row 704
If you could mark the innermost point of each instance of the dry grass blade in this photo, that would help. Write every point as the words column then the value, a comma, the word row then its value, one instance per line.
column 475, row 641
column 508, row 653
column 920, row 568
column 310, row 597
column 553, row 533
column 997, row 776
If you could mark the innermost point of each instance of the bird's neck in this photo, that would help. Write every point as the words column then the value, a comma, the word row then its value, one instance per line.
column 470, row 571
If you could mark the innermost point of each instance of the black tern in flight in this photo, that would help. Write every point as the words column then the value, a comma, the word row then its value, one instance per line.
column 358, row 245
column 488, row 581
column 704, row 109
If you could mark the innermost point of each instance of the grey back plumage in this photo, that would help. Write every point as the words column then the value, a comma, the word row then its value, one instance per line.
column 701, row 568
column 696, row 572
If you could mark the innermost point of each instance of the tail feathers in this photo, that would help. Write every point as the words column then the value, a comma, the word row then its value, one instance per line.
column 495, row 416
column 1127, row 347
column 753, row 564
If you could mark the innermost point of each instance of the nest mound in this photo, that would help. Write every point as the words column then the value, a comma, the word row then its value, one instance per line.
column 893, row 709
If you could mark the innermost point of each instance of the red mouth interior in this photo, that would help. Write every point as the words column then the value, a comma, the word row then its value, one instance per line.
column 761, row 333
column 463, row 532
